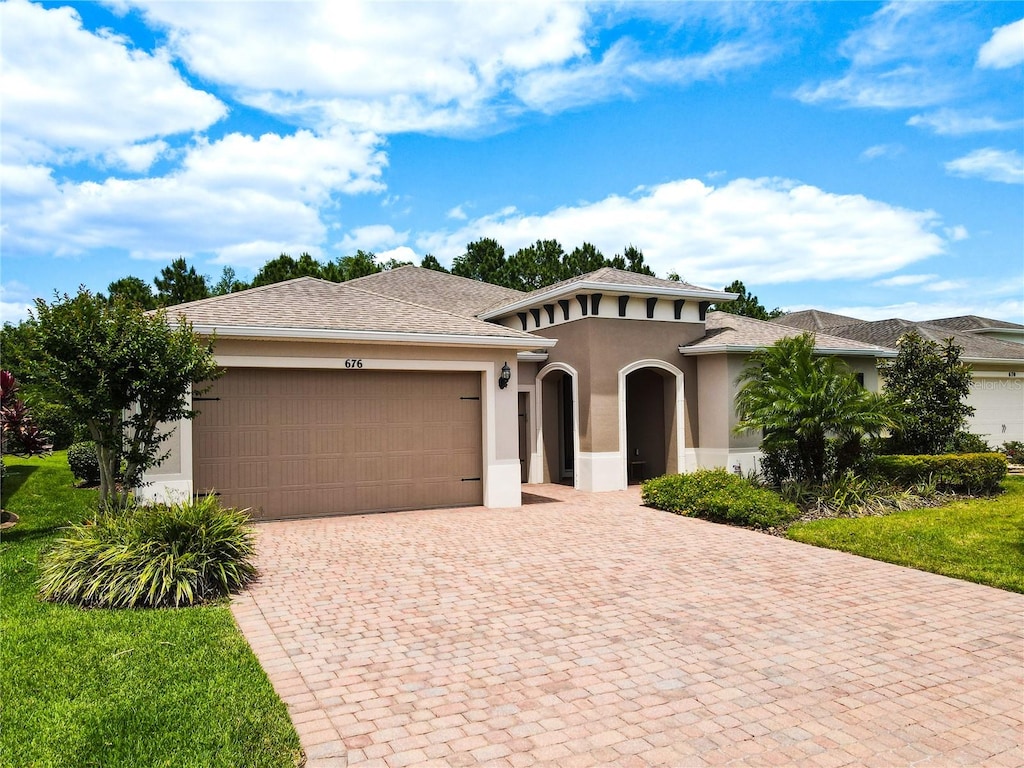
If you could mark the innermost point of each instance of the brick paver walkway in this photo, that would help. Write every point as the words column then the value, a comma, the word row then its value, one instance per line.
column 589, row 630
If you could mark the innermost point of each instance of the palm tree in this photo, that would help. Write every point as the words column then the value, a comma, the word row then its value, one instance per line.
column 804, row 402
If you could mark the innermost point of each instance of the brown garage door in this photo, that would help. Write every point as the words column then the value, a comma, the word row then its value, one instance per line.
column 295, row 443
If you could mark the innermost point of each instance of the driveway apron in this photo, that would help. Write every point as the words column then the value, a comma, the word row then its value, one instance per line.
column 586, row 629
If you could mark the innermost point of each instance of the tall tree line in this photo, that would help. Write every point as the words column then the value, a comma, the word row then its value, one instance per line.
column 543, row 263
column 532, row 267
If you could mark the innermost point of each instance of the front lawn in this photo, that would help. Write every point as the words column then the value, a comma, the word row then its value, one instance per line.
column 120, row 688
column 980, row 540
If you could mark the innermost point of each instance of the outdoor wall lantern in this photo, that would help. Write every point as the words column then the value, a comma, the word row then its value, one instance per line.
column 506, row 376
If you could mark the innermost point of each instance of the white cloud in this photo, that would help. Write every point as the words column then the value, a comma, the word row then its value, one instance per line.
column 900, row 281
column 554, row 89
column 401, row 253
column 241, row 199
column 381, row 66
column 905, row 86
column 779, row 230
column 882, row 150
column 15, row 302
column 457, row 213
column 623, row 68
column 990, row 164
column 68, row 93
column 137, row 157
column 1001, row 300
column 942, row 286
column 304, row 165
column 1004, row 49
column 948, row 122
column 251, row 254
column 957, row 233
column 904, row 56
column 1011, row 310
column 374, row 237
column 447, row 67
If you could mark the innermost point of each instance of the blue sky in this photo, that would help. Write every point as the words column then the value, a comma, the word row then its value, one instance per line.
column 862, row 158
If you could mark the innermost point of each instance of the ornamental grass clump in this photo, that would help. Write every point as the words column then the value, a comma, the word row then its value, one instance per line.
column 164, row 555
column 717, row 495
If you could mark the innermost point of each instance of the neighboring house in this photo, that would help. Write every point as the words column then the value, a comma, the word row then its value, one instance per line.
column 994, row 349
column 984, row 326
column 412, row 388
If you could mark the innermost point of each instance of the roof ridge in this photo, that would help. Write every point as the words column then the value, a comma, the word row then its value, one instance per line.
column 448, row 274
column 253, row 289
column 431, row 309
column 815, row 333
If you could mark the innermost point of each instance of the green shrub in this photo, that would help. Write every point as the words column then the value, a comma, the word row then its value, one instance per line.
column 83, row 462
column 151, row 556
column 956, row 472
column 1014, row 451
column 717, row 495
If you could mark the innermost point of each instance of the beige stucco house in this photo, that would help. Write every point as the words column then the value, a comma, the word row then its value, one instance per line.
column 413, row 388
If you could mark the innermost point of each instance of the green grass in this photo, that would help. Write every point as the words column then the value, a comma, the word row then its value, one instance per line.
column 108, row 688
column 980, row 540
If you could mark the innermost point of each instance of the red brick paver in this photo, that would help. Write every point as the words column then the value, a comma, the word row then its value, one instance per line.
column 588, row 630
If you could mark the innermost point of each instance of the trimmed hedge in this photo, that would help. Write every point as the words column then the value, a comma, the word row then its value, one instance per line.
column 719, row 496
column 957, row 472
column 83, row 462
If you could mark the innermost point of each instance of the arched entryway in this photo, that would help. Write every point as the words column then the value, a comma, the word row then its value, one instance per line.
column 559, row 413
column 650, row 420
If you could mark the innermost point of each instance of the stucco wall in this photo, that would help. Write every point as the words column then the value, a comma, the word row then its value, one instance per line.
column 717, row 376
column 598, row 348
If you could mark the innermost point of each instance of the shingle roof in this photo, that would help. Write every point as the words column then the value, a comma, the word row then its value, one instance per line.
column 436, row 289
column 311, row 304
column 975, row 323
column 887, row 333
column 814, row 320
column 728, row 330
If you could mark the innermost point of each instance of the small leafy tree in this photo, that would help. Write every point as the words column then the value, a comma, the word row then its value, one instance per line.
column 127, row 373
column 927, row 385
column 810, row 407
column 17, row 351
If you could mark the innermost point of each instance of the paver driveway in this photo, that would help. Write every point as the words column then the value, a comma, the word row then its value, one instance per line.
column 588, row 630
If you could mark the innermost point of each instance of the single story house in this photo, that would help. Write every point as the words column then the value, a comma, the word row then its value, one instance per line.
column 993, row 348
column 413, row 388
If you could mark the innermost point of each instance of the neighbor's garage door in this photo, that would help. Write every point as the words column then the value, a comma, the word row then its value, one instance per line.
column 294, row 443
column 998, row 409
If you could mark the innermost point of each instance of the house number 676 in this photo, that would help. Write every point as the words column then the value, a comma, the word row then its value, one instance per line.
column 353, row 362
